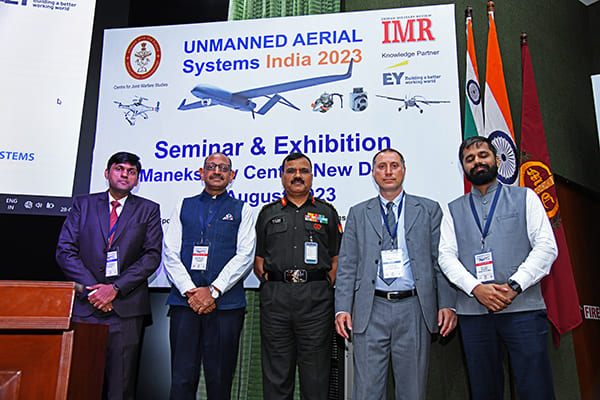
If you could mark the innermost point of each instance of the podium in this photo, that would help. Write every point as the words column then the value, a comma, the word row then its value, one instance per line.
column 43, row 354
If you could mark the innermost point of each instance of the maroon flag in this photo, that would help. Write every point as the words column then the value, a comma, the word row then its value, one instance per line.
column 558, row 288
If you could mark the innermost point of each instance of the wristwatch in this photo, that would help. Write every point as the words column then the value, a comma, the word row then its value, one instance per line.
column 514, row 285
column 214, row 292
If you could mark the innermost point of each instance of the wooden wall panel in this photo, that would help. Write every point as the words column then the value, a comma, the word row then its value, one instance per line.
column 580, row 212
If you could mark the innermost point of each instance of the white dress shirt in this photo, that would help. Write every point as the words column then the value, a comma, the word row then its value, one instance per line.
column 121, row 202
column 534, row 267
column 407, row 281
column 236, row 269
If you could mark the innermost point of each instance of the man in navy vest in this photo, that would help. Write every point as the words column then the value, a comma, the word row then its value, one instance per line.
column 496, row 245
column 208, row 250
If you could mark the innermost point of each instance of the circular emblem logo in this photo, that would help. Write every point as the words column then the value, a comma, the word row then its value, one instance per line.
column 508, row 170
column 142, row 57
column 473, row 92
column 538, row 176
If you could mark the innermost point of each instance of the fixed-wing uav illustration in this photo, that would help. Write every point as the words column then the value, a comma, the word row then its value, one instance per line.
column 212, row 96
column 414, row 101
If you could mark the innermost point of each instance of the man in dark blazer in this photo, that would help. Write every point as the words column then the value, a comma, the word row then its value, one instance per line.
column 111, row 243
column 389, row 290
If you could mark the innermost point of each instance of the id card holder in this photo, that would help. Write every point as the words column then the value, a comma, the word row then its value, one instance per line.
column 311, row 252
column 393, row 263
column 112, row 263
column 484, row 265
column 199, row 258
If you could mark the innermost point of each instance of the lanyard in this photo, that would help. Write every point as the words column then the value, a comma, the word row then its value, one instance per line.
column 112, row 231
column 114, row 228
column 385, row 219
column 203, row 223
column 486, row 229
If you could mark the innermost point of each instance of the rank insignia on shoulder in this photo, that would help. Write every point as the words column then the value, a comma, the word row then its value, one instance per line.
column 314, row 217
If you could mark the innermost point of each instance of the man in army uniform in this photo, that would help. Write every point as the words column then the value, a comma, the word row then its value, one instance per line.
column 298, row 239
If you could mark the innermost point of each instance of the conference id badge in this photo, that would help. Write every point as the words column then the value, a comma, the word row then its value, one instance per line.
column 394, row 263
column 311, row 252
column 199, row 258
column 484, row 265
column 112, row 263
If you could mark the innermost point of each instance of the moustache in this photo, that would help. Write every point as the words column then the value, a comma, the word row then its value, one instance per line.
column 485, row 166
column 221, row 177
column 297, row 180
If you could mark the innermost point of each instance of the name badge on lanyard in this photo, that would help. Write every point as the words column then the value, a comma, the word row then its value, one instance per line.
column 484, row 260
column 394, row 263
column 112, row 263
column 311, row 252
column 484, row 265
column 199, row 258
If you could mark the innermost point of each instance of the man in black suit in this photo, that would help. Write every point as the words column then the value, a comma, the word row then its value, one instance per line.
column 111, row 243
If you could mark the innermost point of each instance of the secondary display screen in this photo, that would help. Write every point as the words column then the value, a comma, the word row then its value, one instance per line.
column 45, row 50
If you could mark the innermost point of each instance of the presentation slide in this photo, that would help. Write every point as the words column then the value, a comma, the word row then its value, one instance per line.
column 336, row 87
column 45, row 49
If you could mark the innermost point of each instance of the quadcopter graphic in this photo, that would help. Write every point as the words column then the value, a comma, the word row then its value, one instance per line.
column 136, row 108
column 414, row 102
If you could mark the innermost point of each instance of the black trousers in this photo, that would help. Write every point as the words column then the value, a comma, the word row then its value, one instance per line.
column 296, row 322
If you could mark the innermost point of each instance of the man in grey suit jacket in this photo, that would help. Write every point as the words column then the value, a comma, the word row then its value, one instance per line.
column 113, row 264
column 389, row 290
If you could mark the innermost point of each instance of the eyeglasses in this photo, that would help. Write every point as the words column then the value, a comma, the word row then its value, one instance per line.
column 212, row 166
column 293, row 171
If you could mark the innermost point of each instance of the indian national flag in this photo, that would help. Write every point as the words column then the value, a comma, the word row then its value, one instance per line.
column 473, row 105
column 498, row 121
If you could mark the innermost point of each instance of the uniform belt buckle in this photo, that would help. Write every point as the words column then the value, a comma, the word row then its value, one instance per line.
column 296, row 275
column 392, row 295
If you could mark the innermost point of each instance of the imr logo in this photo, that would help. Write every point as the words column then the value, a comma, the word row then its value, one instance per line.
column 404, row 31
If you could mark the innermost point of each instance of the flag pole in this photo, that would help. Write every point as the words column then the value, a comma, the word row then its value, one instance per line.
column 558, row 288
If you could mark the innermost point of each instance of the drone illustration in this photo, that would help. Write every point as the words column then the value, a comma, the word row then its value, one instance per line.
column 136, row 108
column 414, row 102
column 212, row 96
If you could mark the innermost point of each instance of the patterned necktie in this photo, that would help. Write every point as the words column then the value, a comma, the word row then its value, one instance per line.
column 113, row 220
column 388, row 241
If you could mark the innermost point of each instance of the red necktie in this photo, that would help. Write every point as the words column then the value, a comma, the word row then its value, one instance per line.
column 113, row 219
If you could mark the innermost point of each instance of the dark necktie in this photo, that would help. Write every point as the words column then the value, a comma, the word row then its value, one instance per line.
column 388, row 241
column 113, row 220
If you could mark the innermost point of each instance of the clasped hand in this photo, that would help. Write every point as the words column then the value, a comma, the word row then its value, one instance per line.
column 200, row 300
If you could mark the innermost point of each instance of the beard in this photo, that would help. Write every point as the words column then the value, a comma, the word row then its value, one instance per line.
column 482, row 177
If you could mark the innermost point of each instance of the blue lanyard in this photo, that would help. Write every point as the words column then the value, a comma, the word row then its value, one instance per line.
column 385, row 219
column 486, row 229
column 114, row 228
column 112, row 231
